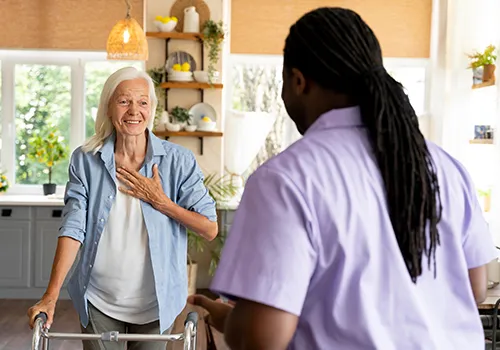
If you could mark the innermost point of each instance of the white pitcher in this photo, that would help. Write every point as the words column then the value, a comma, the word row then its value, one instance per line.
column 191, row 20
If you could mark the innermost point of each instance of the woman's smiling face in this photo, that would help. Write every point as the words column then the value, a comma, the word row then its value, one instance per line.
column 129, row 108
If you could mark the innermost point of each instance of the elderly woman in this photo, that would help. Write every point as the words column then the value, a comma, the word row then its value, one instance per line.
column 128, row 202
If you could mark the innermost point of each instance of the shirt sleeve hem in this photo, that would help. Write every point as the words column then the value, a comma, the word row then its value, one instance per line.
column 483, row 260
column 72, row 233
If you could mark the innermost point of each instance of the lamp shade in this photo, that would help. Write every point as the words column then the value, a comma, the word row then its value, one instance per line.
column 127, row 41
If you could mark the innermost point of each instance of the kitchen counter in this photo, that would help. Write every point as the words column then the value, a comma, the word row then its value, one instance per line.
column 31, row 200
column 58, row 200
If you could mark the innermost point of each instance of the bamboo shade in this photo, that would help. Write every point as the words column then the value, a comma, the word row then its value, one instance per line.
column 62, row 24
column 403, row 27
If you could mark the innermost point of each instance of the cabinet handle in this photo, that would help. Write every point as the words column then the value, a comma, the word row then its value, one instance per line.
column 6, row 212
column 56, row 213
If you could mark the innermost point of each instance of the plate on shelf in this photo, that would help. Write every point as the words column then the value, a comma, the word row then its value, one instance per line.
column 180, row 57
column 200, row 110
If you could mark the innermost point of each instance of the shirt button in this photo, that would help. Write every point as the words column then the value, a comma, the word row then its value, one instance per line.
column 84, row 287
column 102, row 220
column 95, row 242
column 90, row 265
column 110, row 197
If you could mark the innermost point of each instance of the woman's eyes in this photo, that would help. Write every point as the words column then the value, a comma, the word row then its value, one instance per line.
column 126, row 102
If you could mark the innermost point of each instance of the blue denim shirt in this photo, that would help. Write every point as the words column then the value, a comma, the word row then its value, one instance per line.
column 90, row 193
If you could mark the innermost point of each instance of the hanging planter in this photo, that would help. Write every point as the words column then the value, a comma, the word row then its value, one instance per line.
column 213, row 35
column 483, row 65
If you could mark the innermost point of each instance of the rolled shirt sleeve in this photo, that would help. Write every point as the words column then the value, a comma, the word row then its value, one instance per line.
column 193, row 195
column 269, row 255
column 74, row 219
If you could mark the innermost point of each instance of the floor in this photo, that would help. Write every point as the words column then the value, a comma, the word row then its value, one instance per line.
column 16, row 335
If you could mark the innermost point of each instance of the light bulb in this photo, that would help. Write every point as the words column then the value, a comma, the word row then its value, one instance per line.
column 126, row 36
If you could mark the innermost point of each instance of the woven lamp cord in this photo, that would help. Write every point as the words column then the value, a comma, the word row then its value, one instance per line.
column 129, row 7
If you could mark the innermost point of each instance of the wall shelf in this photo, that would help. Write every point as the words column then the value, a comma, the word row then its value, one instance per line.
column 189, row 85
column 175, row 35
column 482, row 141
column 199, row 134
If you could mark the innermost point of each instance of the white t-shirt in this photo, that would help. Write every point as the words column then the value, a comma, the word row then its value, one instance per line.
column 121, row 282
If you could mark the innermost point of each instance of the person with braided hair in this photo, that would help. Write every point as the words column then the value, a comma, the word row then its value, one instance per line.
column 361, row 235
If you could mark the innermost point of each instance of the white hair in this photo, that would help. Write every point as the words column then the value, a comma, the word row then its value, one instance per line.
column 103, row 125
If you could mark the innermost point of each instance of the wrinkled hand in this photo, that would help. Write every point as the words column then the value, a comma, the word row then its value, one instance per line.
column 147, row 189
column 218, row 311
column 48, row 305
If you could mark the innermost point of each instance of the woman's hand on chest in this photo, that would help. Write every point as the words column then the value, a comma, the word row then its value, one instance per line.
column 147, row 189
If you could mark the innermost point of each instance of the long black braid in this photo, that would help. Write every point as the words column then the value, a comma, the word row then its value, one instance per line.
column 336, row 48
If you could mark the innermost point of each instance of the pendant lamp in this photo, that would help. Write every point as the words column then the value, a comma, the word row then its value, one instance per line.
column 127, row 40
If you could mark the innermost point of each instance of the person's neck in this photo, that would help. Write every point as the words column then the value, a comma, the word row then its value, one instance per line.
column 326, row 102
column 131, row 148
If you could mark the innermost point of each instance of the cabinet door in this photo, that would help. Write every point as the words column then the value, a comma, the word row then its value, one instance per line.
column 15, row 253
column 46, row 234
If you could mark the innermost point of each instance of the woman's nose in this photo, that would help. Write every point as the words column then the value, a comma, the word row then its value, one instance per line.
column 133, row 109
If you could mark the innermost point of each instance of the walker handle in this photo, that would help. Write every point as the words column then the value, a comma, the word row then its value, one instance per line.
column 43, row 316
column 192, row 317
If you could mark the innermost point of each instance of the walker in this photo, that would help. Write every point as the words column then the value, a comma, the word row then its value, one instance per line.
column 43, row 334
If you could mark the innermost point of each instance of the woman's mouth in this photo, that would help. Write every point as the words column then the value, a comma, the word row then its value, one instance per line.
column 132, row 121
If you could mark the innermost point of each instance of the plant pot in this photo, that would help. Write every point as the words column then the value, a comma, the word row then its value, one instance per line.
column 192, row 271
column 49, row 189
column 489, row 72
column 487, row 203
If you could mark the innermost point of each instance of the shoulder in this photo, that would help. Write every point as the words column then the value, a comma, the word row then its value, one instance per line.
column 452, row 174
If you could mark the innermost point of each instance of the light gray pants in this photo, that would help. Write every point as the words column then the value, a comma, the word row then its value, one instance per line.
column 101, row 323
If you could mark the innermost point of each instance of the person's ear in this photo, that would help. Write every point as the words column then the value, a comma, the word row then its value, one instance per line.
column 299, row 83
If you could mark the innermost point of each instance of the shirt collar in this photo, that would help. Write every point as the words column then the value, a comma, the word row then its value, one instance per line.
column 155, row 147
column 337, row 118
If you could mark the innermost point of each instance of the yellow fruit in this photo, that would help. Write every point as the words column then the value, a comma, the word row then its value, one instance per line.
column 158, row 18
column 174, row 19
column 186, row 67
column 176, row 67
column 206, row 119
column 165, row 19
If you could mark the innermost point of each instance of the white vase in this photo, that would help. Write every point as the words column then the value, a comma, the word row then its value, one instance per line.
column 191, row 20
column 244, row 136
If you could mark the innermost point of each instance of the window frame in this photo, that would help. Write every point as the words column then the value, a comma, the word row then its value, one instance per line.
column 389, row 62
column 76, row 60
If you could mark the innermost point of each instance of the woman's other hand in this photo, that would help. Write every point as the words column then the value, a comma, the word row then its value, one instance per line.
column 217, row 310
column 147, row 189
column 48, row 305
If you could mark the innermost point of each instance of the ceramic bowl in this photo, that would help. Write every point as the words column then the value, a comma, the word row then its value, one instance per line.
column 165, row 27
column 190, row 128
column 173, row 127
column 202, row 76
column 206, row 126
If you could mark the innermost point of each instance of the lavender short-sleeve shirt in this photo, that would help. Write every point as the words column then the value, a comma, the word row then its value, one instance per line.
column 312, row 236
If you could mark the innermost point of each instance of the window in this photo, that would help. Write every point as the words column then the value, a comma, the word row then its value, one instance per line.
column 42, row 90
column 43, row 100
column 255, row 86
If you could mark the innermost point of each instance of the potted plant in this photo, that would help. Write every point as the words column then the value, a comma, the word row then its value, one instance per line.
column 4, row 183
column 213, row 35
column 483, row 65
column 158, row 75
column 47, row 149
column 220, row 189
column 181, row 115
column 486, row 196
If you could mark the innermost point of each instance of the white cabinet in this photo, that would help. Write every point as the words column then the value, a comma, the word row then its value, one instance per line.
column 28, row 239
